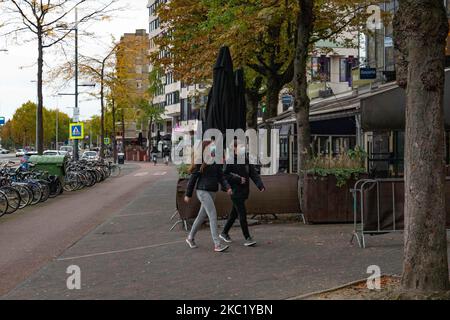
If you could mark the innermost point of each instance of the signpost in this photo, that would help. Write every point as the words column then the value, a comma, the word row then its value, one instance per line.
column 76, row 131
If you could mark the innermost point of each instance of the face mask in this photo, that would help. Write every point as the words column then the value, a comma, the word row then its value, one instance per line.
column 213, row 151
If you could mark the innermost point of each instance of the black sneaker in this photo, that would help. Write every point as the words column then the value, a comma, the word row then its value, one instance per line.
column 225, row 238
column 249, row 242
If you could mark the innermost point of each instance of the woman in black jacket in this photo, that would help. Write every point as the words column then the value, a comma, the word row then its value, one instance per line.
column 239, row 176
column 207, row 179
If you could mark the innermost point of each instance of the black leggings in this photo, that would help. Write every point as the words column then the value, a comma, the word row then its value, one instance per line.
column 238, row 210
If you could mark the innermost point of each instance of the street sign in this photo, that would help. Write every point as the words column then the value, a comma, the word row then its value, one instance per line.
column 2, row 121
column 107, row 141
column 76, row 131
column 368, row 73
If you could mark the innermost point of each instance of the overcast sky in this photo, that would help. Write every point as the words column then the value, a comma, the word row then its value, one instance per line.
column 18, row 70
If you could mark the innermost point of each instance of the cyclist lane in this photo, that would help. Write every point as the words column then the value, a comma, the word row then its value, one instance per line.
column 31, row 238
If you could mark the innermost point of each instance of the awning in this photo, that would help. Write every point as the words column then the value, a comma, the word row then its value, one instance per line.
column 385, row 110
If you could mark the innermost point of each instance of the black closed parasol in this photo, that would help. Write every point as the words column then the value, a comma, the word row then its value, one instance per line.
column 221, row 99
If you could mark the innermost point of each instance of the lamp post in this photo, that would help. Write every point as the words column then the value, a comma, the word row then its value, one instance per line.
column 76, row 110
column 37, row 121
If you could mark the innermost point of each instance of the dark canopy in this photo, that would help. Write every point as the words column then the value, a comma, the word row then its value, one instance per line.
column 221, row 98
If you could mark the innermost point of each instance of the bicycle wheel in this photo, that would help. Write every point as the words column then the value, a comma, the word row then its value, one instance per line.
column 3, row 203
column 26, row 196
column 71, row 182
column 37, row 192
column 13, row 197
column 45, row 190
column 55, row 188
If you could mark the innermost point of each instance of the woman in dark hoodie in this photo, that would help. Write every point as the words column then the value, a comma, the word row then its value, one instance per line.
column 239, row 176
column 206, row 178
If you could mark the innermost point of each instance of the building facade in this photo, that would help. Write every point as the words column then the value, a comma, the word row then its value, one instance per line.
column 133, row 67
column 181, row 101
column 379, row 45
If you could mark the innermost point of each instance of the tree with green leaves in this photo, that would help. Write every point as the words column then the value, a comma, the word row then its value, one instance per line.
column 262, row 36
column 21, row 129
column 50, row 24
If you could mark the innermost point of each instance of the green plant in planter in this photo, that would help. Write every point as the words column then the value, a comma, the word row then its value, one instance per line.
column 344, row 167
column 183, row 171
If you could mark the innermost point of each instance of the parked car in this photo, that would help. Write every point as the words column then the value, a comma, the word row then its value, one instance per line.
column 54, row 153
column 67, row 149
column 31, row 153
column 20, row 153
column 4, row 151
column 90, row 155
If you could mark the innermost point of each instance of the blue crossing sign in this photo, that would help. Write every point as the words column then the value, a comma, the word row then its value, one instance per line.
column 2, row 121
column 76, row 131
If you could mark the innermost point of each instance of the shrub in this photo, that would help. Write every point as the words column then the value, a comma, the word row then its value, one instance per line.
column 344, row 167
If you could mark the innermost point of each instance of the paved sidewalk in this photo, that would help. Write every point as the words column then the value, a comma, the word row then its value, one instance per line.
column 134, row 256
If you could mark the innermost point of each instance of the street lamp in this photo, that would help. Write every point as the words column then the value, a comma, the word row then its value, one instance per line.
column 76, row 110
column 37, row 121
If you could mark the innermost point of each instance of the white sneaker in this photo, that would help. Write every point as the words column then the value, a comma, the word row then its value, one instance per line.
column 249, row 242
column 191, row 243
column 221, row 248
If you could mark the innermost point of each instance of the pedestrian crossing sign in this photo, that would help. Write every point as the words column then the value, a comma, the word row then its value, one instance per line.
column 76, row 131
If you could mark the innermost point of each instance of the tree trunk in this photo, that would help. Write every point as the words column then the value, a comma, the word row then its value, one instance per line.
column 253, row 98
column 421, row 29
column 301, row 100
column 102, row 120
column 252, row 110
column 274, row 87
column 40, row 102
column 114, row 133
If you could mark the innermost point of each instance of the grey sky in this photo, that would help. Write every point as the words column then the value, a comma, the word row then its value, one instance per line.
column 16, row 74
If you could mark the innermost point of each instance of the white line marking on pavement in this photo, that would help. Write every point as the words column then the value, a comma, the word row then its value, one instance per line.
column 160, row 173
column 141, row 174
column 119, row 251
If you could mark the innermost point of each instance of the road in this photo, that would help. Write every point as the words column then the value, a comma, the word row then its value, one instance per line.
column 8, row 157
column 31, row 238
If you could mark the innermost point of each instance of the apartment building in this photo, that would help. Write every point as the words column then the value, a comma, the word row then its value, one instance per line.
column 179, row 100
column 133, row 66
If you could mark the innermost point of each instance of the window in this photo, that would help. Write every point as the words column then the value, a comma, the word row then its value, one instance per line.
column 169, row 78
column 154, row 24
column 320, row 68
column 172, row 98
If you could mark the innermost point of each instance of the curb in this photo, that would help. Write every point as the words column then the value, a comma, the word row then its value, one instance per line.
column 308, row 295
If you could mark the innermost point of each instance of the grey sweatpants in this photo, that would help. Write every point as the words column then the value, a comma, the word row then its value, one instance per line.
column 208, row 209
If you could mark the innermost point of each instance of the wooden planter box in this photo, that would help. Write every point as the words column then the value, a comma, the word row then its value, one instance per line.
column 325, row 202
column 281, row 197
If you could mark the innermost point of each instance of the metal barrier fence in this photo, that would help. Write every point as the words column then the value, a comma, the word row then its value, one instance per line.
column 364, row 222
column 378, row 207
